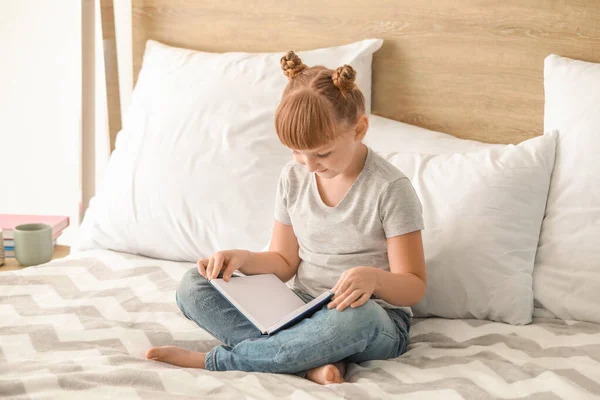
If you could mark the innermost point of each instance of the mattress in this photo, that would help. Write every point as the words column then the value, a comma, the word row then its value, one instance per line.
column 79, row 327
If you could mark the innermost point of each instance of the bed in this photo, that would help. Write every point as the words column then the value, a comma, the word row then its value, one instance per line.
column 83, row 324
column 79, row 327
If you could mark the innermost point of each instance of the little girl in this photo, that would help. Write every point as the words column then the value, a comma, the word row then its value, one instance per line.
column 346, row 220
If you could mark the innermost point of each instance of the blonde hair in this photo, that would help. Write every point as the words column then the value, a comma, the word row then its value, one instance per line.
column 315, row 103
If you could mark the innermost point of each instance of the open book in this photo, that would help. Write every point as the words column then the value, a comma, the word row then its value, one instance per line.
column 267, row 302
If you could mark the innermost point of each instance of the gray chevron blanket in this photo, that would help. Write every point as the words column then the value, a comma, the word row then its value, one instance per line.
column 79, row 328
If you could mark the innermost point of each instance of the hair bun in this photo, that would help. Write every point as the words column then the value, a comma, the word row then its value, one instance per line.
column 292, row 65
column 344, row 78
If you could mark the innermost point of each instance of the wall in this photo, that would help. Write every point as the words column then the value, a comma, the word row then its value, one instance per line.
column 40, row 109
column 40, row 106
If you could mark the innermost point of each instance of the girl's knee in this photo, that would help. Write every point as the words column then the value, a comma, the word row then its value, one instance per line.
column 189, row 286
column 366, row 317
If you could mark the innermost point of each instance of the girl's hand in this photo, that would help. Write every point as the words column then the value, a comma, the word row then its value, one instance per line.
column 354, row 288
column 227, row 260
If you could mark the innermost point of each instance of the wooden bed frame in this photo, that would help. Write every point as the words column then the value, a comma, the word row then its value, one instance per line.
column 471, row 68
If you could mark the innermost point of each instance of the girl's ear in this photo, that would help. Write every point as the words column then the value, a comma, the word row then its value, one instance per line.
column 362, row 125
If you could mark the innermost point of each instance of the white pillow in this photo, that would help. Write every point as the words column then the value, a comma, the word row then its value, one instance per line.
column 196, row 164
column 567, row 269
column 482, row 212
column 386, row 135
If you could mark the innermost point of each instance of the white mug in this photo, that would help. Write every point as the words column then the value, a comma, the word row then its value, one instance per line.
column 33, row 244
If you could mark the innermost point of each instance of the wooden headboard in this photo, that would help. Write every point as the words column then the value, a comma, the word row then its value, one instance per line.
column 472, row 68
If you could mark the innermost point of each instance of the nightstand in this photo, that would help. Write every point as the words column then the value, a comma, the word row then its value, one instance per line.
column 12, row 263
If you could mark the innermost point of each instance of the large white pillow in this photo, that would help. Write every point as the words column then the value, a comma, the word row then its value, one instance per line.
column 386, row 135
column 482, row 212
column 567, row 269
column 196, row 164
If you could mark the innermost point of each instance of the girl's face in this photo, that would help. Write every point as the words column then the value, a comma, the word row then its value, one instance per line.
column 332, row 159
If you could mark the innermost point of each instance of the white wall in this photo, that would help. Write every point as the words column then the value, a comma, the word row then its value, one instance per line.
column 40, row 105
column 40, row 108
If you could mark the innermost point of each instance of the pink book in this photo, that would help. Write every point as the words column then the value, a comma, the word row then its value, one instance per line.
column 9, row 221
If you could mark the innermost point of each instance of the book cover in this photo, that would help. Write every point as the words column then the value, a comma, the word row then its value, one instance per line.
column 9, row 221
column 266, row 301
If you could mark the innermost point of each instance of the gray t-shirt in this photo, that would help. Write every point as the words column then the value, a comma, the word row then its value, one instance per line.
column 380, row 204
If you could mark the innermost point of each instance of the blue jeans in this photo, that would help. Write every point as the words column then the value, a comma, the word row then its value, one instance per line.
column 368, row 332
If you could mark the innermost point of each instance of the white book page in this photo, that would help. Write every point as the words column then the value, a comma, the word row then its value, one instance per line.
column 264, row 298
column 288, row 317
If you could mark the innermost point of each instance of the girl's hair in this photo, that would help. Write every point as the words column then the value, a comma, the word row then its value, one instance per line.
column 315, row 103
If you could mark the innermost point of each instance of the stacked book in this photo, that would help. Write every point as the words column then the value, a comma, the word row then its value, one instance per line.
column 8, row 222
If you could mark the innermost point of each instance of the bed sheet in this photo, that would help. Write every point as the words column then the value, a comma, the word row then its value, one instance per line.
column 79, row 327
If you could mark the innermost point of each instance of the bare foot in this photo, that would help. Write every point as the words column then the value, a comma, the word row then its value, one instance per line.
column 327, row 374
column 177, row 356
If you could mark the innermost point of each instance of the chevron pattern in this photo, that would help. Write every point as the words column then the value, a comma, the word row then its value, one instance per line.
column 79, row 328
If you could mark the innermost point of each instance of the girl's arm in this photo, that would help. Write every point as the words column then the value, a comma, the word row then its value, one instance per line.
column 282, row 258
column 405, row 284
